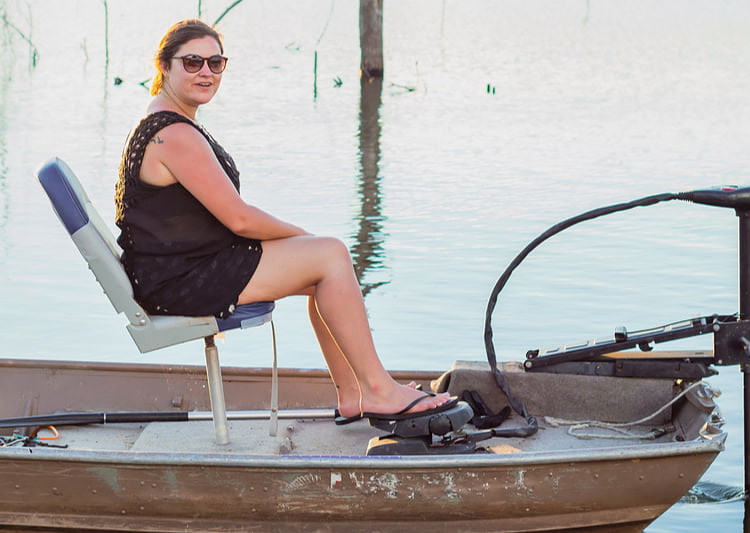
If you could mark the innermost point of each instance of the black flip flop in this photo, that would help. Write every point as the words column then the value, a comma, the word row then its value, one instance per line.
column 401, row 415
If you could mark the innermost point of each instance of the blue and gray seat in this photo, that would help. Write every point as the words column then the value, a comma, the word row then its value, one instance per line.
column 99, row 248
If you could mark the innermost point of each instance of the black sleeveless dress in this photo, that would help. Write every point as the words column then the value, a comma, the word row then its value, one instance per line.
column 180, row 259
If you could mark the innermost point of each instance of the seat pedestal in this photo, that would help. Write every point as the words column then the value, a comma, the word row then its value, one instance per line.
column 216, row 391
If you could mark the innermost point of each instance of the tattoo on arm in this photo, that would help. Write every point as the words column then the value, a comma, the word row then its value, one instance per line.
column 157, row 140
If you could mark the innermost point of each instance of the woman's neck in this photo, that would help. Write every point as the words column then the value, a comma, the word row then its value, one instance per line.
column 164, row 101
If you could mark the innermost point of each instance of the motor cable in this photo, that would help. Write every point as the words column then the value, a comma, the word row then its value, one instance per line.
column 500, row 378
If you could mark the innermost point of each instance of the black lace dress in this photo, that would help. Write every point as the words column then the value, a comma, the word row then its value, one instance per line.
column 180, row 259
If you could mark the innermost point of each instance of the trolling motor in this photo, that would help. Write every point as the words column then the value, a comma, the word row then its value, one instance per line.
column 739, row 200
column 731, row 332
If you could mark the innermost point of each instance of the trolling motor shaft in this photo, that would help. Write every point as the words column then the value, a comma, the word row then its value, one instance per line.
column 744, row 287
column 738, row 199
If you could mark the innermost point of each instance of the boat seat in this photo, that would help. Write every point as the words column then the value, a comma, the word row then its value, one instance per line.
column 97, row 245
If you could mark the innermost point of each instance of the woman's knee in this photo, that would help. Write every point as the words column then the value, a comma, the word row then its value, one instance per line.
column 335, row 246
column 317, row 252
column 335, row 252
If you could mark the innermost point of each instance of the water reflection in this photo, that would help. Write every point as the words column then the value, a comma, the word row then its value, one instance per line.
column 4, row 193
column 104, row 113
column 367, row 250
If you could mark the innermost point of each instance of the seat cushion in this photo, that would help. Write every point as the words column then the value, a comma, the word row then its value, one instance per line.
column 247, row 316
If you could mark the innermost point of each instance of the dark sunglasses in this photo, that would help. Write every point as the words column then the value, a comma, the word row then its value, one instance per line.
column 192, row 63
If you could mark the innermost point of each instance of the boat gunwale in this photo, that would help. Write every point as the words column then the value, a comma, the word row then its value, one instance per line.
column 51, row 365
column 645, row 451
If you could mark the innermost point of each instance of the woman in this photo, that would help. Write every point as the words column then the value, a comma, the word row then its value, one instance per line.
column 192, row 246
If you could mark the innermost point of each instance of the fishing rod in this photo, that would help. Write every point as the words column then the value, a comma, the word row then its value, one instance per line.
column 85, row 418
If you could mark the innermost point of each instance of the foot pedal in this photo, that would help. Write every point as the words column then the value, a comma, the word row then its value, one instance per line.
column 393, row 445
column 425, row 426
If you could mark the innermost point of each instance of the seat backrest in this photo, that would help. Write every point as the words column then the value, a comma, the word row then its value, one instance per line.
column 91, row 235
column 99, row 248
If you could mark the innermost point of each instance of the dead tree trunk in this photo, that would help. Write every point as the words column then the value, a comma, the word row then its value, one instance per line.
column 371, row 38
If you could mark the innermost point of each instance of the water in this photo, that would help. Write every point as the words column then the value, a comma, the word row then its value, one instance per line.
column 497, row 119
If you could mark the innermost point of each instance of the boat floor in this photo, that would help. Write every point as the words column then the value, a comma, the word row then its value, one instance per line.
column 296, row 437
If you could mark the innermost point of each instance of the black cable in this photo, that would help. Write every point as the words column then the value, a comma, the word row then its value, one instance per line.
column 517, row 405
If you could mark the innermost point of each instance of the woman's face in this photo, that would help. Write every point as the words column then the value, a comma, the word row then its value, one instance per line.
column 199, row 87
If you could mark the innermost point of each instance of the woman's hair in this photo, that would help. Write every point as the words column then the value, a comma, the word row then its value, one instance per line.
column 176, row 36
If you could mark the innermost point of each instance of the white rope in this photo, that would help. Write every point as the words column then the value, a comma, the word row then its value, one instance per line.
column 576, row 426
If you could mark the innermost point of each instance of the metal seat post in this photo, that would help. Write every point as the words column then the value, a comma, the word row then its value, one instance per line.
column 274, row 418
column 216, row 391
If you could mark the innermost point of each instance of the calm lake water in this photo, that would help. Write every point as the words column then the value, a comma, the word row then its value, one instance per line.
column 495, row 120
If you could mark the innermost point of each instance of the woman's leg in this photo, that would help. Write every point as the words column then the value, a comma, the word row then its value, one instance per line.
column 294, row 265
column 342, row 374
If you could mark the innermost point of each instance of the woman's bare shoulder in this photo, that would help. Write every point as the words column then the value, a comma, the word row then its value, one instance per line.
column 180, row 136
column 172, row 152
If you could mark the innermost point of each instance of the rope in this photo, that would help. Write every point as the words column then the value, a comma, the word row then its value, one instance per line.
column 32, row 440
column 621, row 433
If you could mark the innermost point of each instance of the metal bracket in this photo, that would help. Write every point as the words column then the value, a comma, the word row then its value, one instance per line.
column 732, row 343
column 731, row 347
column 632, row 368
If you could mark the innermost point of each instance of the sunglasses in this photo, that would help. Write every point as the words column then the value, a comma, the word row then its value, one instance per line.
column 192, row 63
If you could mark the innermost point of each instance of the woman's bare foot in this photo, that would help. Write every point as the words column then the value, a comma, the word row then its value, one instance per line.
column 393, row 399
column 352, row 404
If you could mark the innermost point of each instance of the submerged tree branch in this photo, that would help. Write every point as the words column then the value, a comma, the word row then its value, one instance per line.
column 227, row 10
column 34, row 49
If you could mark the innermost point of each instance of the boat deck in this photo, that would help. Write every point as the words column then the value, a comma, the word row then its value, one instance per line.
column 296, row 437
column 309, row 393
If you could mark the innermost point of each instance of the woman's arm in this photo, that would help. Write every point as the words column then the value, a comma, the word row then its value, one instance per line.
column 180, row 153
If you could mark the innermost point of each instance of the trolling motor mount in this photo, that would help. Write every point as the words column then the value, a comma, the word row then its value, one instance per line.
column 731, row 347
column 732, row 343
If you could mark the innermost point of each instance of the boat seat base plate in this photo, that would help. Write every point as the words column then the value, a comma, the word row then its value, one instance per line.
column 394, row 445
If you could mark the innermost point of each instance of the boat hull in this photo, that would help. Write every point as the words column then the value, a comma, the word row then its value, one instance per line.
column 186, row 492
column 618, row 488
